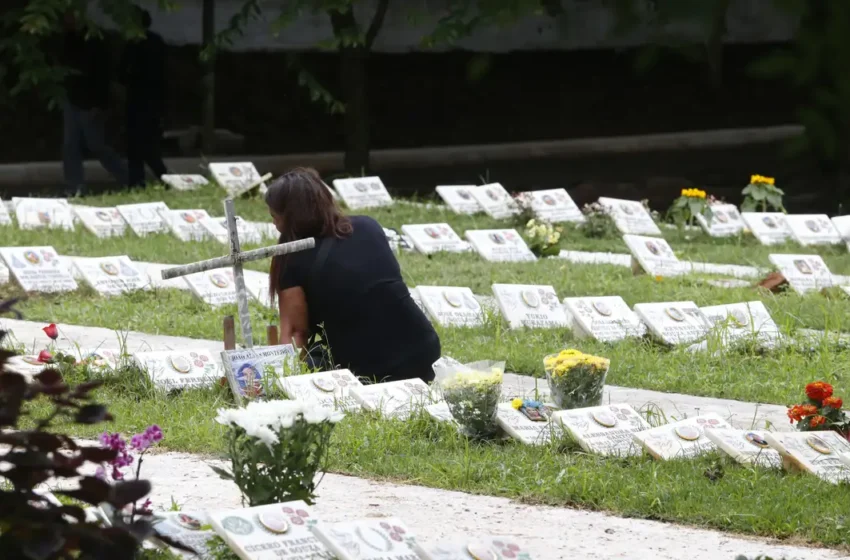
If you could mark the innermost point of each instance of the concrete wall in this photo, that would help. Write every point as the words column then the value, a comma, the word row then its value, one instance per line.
column 587, row 24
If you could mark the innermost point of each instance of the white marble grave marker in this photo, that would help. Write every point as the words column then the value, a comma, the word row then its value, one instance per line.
column 530, row 306
column 257, row 284
column 216, row 227
column 180, row 369
column 363, row 192
column 328, row 389
column 654, row 256
column 451, row 306
column 52, row 213
column 554, row 206
column 630, row 216
column 459, row 198
column 812, row 229
column 185, row 182
column 433, row 238
column 38, row 269
column 679, row 322
column 251, row 370
column 604, row 430
column 144, row 218
column 500, row 245
column 743, row 321
column 110, row 276
column 522, row 428
column 153, row 271
column 748, row 447
column 266, row 230
column 489, row 548
column 804, row 273
column 186, row 527
column 386, row 538
column 213, row 287
column 103, row 222
column 495, row 201
column 724, row 220
column 604, row 318
column 186, row 224
column 238, row 177
column 841, row 224
column 817, row 453
column 681, row 440
column 768, row 227
column 394, row 399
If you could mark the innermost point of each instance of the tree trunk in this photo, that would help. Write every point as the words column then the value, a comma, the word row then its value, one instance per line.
column 356, row 117
column 208, row 81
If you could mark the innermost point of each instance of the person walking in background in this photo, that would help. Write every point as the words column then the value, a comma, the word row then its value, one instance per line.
column 84, row 107
column 142, row 71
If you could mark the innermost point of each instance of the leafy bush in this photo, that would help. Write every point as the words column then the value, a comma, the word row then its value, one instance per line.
column 761, row 195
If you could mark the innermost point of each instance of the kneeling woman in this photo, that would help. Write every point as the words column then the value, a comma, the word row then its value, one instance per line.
column 348, row 289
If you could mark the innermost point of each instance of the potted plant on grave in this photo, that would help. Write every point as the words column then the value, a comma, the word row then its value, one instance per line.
column 690, row 204
column 472, row 393
column 598, row 223
column 761, row 195
column 821, row 411
column 576, row 379
column 543, row 238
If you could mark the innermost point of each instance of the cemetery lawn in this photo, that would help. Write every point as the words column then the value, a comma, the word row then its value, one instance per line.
column 711, row 491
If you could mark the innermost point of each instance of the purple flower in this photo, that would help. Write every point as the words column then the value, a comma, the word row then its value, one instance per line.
column 140, row 442
column 100, row 473
column 116, row 474
column 154, row 433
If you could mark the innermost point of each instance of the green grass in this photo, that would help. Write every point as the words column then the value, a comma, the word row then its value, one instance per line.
column 744, row 500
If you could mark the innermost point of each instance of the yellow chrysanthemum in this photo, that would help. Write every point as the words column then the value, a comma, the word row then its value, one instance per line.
column 693, row 193
column 756, row 179
column 516, row 403
column 567, row 360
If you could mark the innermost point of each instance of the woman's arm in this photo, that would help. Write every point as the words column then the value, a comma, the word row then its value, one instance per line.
column 292, row 303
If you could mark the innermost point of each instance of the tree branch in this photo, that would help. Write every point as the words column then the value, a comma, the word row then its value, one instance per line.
column 377, row 22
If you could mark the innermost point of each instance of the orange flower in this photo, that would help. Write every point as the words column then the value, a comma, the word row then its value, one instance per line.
column 816, row 421
column 818, row 390
column 833, row 402
column 800, row 411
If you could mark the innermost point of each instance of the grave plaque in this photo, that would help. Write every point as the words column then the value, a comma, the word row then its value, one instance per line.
column 630, row 216
column 153, row 271
column 394, row 399
column 590, row 257
column 440, row 412
column 804, row 273
column 414, row 295
column 236, row 177
column 186, row 224
column 678, row 322
column 500, row 245
column 768, row 227
column 144, row 218
column 5, row 218
column 748, row 447
column 103, row 222
column 604, row 430
column 214, row 287
column 451, row 306
column 257, row 284
column 495, row 201
column 251, row 370
column 185, row 527
column 180, row 369
column 654, row 255
column 817, row 453
column 530, row 306
column 272, row 531
column 38, row 269
column 554, row 206
column 841, row 224
column 398, row 241
column 216, row 227
column 459, row 198
column 266, row 230
column 433, row 238
column 68, row 264
column 812, row 229
column 681, row 440
column 484, row 548
column 743, row 321
column 185, row 182
column 385, row 538
column 724, row 220
column 100, row 359
column 34, row 213
column 110, row 276
column 363, row 192
column 528, row 429
column 328, row 389
column 605, row 318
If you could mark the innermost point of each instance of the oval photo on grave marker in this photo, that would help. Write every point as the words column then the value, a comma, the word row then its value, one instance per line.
column 818, row 445
column 757, row 440
column 479, row 551
column 688, row 433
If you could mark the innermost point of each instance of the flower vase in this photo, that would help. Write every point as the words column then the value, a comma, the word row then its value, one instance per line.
column 475, row 409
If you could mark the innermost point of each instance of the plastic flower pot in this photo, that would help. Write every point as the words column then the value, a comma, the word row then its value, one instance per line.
column 579, row 386
column 474, row 408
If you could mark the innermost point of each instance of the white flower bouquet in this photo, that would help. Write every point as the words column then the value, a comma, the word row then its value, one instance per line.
column 276, row 448
column 472, row 393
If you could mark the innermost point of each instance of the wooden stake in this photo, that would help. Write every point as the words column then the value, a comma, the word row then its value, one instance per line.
column 229, row 326
column 272, row 336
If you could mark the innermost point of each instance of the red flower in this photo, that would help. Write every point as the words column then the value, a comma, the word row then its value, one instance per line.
column 51, row 331
column 45, row 356
column 833, row 402
column 817, row 421
column 818, row 390
column 800, row 411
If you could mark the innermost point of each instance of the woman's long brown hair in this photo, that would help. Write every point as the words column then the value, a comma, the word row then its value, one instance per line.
column 305, row 208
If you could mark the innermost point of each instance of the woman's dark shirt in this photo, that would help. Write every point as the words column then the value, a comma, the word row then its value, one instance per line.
column 360, row 305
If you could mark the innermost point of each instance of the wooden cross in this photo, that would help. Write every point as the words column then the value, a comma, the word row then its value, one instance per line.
column 235, row 260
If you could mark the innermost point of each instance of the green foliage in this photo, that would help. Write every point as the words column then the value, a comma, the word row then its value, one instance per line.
column 597, row 224
column 761, row 197
column 685, row 210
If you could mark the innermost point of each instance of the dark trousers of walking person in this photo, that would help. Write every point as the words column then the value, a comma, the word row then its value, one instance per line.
column 84, row 130
column 144, row 143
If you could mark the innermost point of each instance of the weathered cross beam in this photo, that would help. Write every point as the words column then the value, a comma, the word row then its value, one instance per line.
column 235, row 260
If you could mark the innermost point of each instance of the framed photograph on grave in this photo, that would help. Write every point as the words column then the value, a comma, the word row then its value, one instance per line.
column 51, row 213
column 214, row 287
column 495, row 201
column 145, row 217
column 433, row 238
column 452, row 306
column 743, row 321
column 363, row 192
column 681, row 440
column 368, row 539
column 554, row 206
column 236, row 176
column 536, row 307
column 250, row 371
column 186, row 224
column 813, row 229
column 604, row 430
column 724, row 220
column 804, row 273
column 38, row 269
column 185, row 182
column 500, row 245
column 103, row 222
column 654, row 256
column 488, row 548
column 604, row 318
column 328, row 389
column 180, row 369
column 675, row 322
column 630, row 216
column 769, row 228
column 817, row 453
column 534, row 428
column 110, row 276
column 394, row 399
column 748, row 447
column 459, row 198
column 5, row 217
